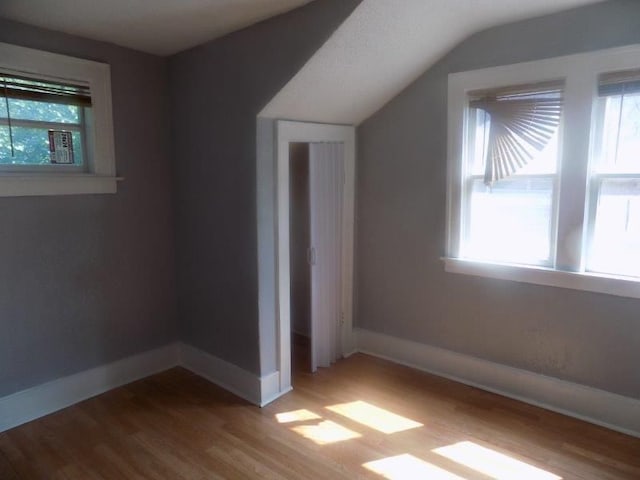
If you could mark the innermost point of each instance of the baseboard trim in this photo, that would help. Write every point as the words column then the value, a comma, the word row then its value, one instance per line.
column 269, row 388
column 224, row 374
column 257, row 390
column 35, row 402
column 267, row 399
column 596, row 406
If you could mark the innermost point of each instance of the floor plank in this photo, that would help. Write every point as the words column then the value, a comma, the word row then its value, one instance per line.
column 384, row 421
column 6, row 470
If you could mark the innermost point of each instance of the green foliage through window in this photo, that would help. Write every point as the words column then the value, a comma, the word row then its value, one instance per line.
column 30, row 123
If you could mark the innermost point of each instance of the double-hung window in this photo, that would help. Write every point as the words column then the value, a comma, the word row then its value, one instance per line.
column 56, row 132
column 614, row 184
column 544, row 172
column 511, row 174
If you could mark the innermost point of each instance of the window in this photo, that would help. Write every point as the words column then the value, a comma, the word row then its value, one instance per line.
column 512, row 165
column 43, row 123
column 56, row 133
column 614, row 224
column 544, row 172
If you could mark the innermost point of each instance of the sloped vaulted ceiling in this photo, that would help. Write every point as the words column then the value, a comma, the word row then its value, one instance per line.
column 162, row 27
column 379, row 50
column 385, row 45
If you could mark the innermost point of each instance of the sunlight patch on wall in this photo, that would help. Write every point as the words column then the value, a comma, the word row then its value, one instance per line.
column 408, row 467
column 326, row 432
column 374, row 417
column 494, row 464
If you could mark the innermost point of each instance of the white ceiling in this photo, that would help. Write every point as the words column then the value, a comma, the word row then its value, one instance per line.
column 162, row 27
column 385, row 45
column 379, row 50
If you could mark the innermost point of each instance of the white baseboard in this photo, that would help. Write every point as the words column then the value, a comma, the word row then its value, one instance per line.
column 270, row 388
column 596, row 406
column 35, row 402
column 255, row 389
column 302, row 334
column 224, row 374
column 586, row 403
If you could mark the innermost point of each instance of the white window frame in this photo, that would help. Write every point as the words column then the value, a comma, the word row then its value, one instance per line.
column 580, row 73
column 596, row 179
column 100, row 176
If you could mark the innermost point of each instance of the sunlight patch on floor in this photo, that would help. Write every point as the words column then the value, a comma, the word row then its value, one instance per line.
column 374, row 417
column 296, row 416
column 408, row 467
column 326, row 432
column 494, row 464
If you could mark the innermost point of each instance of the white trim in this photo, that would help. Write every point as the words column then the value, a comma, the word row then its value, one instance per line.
column 224, row 374
column 255, row 389
column 270, row 388
column 287, row 132
column 35, row 402
column 596, row 406
column 99, row 128
column 591, row 282
column 16, row 185
column 580, row 72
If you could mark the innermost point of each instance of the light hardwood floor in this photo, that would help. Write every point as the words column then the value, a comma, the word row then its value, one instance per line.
column 362, row 418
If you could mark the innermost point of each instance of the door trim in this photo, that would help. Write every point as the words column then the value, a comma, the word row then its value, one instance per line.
column 286, row 133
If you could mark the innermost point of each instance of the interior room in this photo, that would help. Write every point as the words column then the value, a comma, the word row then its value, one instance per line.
column 320, row 239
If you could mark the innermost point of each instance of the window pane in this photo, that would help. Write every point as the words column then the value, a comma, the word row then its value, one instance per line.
column 40, row 111
column 510, row 222
column 78, row 151
column 31, row 146
column 620, row 136
column 616, row 238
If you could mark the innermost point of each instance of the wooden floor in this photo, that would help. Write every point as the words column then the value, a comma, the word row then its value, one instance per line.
column 362, row 418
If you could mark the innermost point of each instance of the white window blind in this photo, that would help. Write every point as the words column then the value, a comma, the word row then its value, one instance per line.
column 522, row 121
column 619, row 83
column 24, row 88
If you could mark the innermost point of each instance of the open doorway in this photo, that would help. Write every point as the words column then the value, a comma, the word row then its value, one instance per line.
column 289, row 133
column 299, row 256
column 316, row 190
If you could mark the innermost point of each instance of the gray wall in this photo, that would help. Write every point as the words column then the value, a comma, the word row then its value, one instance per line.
column 89, row 279
column 217, row 90
column 402, row 288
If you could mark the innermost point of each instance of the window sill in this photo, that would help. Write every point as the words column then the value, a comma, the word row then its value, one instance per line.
column 19, row 185
column 591, row 282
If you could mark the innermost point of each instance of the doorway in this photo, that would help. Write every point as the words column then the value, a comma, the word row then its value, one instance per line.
column 316, row 190
column 300, row 256
column 308, row 133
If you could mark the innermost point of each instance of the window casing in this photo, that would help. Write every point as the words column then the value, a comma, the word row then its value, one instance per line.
column 550, row 222
column 46, row 95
